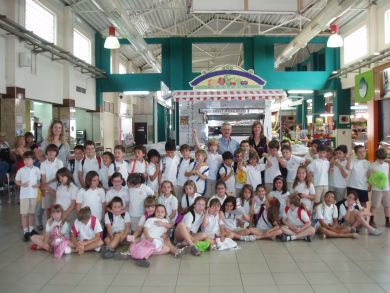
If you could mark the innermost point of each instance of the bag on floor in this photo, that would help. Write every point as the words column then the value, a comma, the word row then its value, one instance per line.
column 59, row 243
column 142, row 249
column 227, row 244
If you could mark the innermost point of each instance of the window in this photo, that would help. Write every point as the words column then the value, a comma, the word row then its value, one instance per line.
column 122, row 68
column 81, row 46
column 355, row 45
column 387, row 26
column 40, row 20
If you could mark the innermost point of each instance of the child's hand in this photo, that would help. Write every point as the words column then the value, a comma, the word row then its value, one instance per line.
column 25, row 184
column 194, row 132
column 265, row 155
column 253, row 200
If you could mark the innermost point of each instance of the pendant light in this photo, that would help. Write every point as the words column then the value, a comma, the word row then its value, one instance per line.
column 111, row 41
column 335, row 40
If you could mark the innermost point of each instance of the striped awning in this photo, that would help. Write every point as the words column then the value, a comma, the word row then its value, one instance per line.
column 216, row 95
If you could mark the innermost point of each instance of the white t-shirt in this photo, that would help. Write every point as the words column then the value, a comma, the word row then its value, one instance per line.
column 183, row 166
column 213, row 161
column 142, row 221
column 326, row 213
column 122, row 193
column 150, row 170
column 137, row 166
column 231, row 218
column 120, row 167
column 103, row 175
column 254, row 174
column 359, row 174
column 65, row 195
column 85, row 231
column 292, row 167
column 32, row 176
column 273, row 171
column 293, row 217
column 118, row 222
column 310, row 158
column 168, row 167
column 155, row 231
column 320, row 169
column 221, row 200
column 282, row 198
column 231, row 182
column 344, row 208
column 137, row 197
column 302, row 188
column 170, row 203
column 65, row 228
column 200, row 183
column 384, row 168
column 190, row 223
column 213, row 225
column 337, row 178
column 49, row 169
column 263, row 224
column 94, row 199
column 245, row 205
column 77, row 168
column 90, row 164
column 191, row 200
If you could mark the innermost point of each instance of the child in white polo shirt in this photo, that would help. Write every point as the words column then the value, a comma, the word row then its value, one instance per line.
column 226, row 173
column 292, row 162
column 75, row 164
column 184, row 162
column 339, row 170
column 254, row 169
column 273, row 161
column 169, row 163
column 153, row 170
column 319, row 169
column 107, row 162
column 28, row 179
column 168, row 200
column 91, row 162
column 118, row 188
column 119, row 165
column 198, row 171
column 139, row 164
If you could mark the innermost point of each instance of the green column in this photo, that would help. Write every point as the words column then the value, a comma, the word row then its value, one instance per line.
column 301, row 114
column 318, row 105
column 342, row 106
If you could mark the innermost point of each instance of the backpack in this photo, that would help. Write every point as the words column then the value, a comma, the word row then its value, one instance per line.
column 205, row 182
column 92, row 226
column 142, row 249
column 72, row 164
column 220, row 167
column 135, row 163
column 338, row 205
column 98, row 159
column 299, row 213
column 178, row 166
column 256, row 217
column 179, row 219
column 111, row 218
column 59, row 242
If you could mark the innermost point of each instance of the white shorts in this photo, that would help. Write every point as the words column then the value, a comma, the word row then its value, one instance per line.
column 158, row 244
column 27, row 206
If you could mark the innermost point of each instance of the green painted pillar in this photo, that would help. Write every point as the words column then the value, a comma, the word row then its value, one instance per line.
column 318, row 105
column 102, row 60
column 301, row 114
column 342, row 107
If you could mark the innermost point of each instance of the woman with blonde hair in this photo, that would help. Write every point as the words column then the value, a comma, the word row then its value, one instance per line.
column 56, row 136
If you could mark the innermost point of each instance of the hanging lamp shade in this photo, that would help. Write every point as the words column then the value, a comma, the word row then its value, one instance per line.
column 111, row 41
column 335, row 40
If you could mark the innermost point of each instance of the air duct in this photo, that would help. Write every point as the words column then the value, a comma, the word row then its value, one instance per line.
column 115, row 12
column 332, row 10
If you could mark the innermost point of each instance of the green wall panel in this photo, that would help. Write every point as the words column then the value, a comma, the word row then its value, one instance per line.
column 161, row 131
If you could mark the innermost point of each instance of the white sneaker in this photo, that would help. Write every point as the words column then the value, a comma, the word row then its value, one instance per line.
column 67, row 250
column 375, row 232
column 97, row 249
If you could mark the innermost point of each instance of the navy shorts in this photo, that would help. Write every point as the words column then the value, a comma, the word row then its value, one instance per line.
column 363, row 194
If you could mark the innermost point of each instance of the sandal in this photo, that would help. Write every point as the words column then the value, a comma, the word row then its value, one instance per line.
column 179, row 252
column 122, row 255
column 142, row 263
column 195, row 251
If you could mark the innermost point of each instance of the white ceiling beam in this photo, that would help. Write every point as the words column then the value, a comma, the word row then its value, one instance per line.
column 279, row 25
column 216, row 57
column 204, row 23
column 229, row 24
column 202, row 50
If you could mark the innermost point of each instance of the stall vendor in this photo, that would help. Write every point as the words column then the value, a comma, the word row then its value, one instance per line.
column 226, row 143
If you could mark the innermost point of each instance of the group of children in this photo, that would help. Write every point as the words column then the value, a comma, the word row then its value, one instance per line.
column 172, row 202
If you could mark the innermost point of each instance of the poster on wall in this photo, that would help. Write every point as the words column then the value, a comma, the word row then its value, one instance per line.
column 386, row 83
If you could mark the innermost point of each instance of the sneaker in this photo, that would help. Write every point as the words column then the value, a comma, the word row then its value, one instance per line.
column 353, row 230
column 142, row 263
column 373, row 224
column 98, row 249
column 286, row 238
column 355, row 235
column 108, row 254
column 387, row 225
column 307, row 239
column 26, row 236
column 34, row 247
column 375, row 232
column 33, row 232
column 179, row 252
column 67, row 250
column 322, row 236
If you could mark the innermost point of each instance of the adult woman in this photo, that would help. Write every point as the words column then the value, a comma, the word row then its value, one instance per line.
column 56, row 136
column 257, row 140
column 18, row 151
column 29, row 140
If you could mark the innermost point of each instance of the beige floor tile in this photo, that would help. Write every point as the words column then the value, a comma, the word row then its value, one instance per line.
column 385, row 286
column 225, row 280
column 159, row 289
column 252, row 268
column 36, row 278
column 66, row 279
column 97, row 279
column 354, row 277
column 257, row 279
column 330, row 288
column 57, row 288
column 224, row 289
column 194, row 268
column 192, row 289
column 313, row 267
column 81, row 268
column 289, row 279
column 129, row 280
column 364, row 288
column 193, row 280
column 161, row 280
column 295, row 289
column 92, row 289
column 271, row 258
column 379, row 276
column 261, row 289
column 343, row 266
column 226, row 269
column 282, row 267
column 23, row 288
column 373, row 265
column 122, row 289
column 321, row 278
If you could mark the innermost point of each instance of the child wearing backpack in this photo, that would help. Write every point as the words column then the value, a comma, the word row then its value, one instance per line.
column 280, row 192
column 139, row 164
column 198, row 171
column 92, row 195
column 183, row 165
column 169, row 163
column 226, row 173
column 107, row 161
column 118, row 189
column 296, row 221
column 254, row 169
column 328, row 222
column 153, row 170
column 66, row 193
column 339, row 170
column 91, row 162
column 221, row 192
column 168, row 199
column 211, row 224
column 117, row 224
column 268, row 221
column 189, row 195
column 273, row 161
column 86, row 232
column 74, row 165
column 304, row 188
column 119, row 164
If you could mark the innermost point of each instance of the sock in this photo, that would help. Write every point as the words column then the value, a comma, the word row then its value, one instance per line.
column 25, row 230
column 371, row 218
column 387, row 220
column 30, row 228
column 293, row 237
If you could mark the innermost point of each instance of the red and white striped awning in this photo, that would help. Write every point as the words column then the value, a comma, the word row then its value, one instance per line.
column 216, row 95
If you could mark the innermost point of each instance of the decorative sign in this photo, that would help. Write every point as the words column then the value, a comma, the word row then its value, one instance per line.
column 364, row 87
column 228, row 77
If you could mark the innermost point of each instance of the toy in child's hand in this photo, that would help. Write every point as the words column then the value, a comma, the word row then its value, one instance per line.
column 378, row 179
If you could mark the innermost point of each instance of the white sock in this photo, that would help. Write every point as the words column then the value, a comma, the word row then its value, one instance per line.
column 25, row 230
column 30, row 228
column 293, row 237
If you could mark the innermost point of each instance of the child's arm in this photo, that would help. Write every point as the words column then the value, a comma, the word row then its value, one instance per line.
column 146, row 234
column 205, row 221
column 225, row 177
column 87, row 242
column 282, row 162
column 81, row 178
column 155, row 174
column 173, row 215
column 196, row 139
column 127, row 230
column 343, row 172
column 70, row 209
column 109, row 231
column 138, row 232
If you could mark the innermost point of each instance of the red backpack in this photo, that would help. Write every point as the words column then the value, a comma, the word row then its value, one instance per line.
column 93, row 225
column 299, row 213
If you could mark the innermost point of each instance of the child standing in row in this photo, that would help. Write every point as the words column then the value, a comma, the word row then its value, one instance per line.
column 107, row 161
column 240, row 170
column 319, row 169
column 139, row 164
column 226, row 173
column 339, row 170
column 91, row 162
column 66, row 193
column 198, row 171
column 254, row 169
column 153, row 170
column 119, row 164
column 273, row 161
column 75, row 164
column 169, row 164
column 184, row 163
column 292, row 164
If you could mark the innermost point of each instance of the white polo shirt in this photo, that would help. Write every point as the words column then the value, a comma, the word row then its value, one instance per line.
column 137, row 197
column 49, row 169
column 213, row 225
column 103, row 176
column 154, row 230
column 231, row 182
column 273, row 171
column 337, row 178
column 183, row 166
column 359, row 174
column 150, row 170
column 85, row 231
column 64, row 227
column 320, row 169
column 190, row 199
column 221, row 200
column 122, row 193
column 190, row 223
column 118, row 222
column 213, row 161
column 137, row 166
column 120, row 167
column 302, row 188
column 292, row 167
column 94, row 199
column 168, row 167
column 293, row 218
column 254, row 174
column 327, row 213
column 32, row 176
column 90, row 164
column 65, row 195
column 200, row 183
column 170, row 203
column 77, row 168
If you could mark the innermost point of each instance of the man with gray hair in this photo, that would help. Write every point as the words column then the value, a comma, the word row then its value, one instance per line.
column 226, row 143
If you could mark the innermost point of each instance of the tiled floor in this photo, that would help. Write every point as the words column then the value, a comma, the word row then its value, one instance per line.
column 361, row 265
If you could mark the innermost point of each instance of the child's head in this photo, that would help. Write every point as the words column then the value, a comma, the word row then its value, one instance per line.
column 64, row 176
column 139, row 152
column 280, row 184
column 185, row 151
column 78, row 152
column 314, row 145
column 89, row 147
column 150, row 205
column 239, row 154
column 117, row 180
column 294, row 200
column 321, row 150
column 107, row 158
column 329, row 153
column 244, row 144
column 341, row 151
column 135, row 179
column 84, row 214
column 246, row 192
column 352, row 197
column 199, row 204
column 119, row 152
column 229, row 204
column 303, row 175
column 213, row 145
column 227, row 158
column 329, row 198
column 51, row 152
column 160, row 211
column 170, row 148
column 28, row 158
column 214, row 206
column 40, row 155
column 116, row 205
column 253, row 157
column 360, row 152
column 56, row 212
column 19, row 141
column 153, row 156
column 167, row 188
column 200, row 156
column 285, row 142
column 261, row 191
column 273, row 147
column 380, row 154
column 28, row 138
column 273, row 207
column 220, row 188
column 189, row 187
column 286, row 152
column 92, row 180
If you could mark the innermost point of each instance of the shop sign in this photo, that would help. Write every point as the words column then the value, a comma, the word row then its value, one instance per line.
column 228, row 77
column 364, row 87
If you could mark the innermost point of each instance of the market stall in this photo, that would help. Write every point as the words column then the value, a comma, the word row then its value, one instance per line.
column 225, row 94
